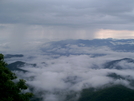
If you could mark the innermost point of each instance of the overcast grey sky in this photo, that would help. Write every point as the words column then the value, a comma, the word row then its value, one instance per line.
column 65, row 19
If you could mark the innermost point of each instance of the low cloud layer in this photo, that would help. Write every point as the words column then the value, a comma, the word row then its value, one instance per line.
column 57, row 74
column 62, row 75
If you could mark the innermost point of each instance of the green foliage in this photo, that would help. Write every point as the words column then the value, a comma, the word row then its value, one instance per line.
column 114, row 93
column 9, row 90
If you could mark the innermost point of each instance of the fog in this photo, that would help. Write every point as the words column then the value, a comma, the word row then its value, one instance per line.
column 55, row 76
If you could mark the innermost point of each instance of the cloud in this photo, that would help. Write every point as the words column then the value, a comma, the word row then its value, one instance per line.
column 59, row 75
column 120, row 34
column 58, row 20
column 73, row 73
column 68, row 13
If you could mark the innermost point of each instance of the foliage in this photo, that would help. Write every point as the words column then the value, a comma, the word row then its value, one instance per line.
column 114, row 93
column 9, row 90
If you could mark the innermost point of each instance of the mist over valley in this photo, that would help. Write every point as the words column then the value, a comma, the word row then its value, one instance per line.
column 64, row 70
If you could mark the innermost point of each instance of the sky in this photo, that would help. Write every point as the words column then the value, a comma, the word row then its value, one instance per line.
column 24, row 22
column 62, row 19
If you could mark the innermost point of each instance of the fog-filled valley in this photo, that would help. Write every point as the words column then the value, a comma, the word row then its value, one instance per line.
column 77, row 70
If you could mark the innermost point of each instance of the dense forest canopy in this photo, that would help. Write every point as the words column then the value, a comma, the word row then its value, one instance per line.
column 10, row 90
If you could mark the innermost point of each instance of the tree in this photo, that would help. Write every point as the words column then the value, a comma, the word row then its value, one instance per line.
column 111, row 93
column 10, row 90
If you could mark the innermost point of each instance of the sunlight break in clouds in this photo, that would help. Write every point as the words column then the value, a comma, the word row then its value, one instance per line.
column 116, row 34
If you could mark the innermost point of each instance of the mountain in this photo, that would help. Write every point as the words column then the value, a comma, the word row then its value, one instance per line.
column 56, row 47
column 117, row 64
column 113, row 93
column 13, row 55
column 16, row 66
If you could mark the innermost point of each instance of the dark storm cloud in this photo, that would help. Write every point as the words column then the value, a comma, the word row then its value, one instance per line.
column 82, row 13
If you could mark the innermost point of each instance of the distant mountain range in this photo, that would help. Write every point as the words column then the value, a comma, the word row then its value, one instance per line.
column 125, row 45
column 115, row 64
column 13, row 55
